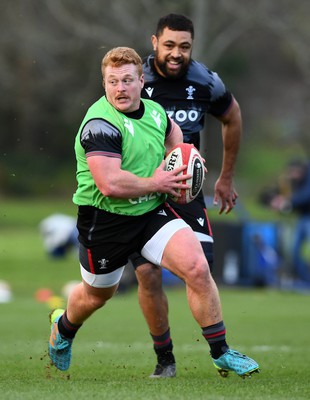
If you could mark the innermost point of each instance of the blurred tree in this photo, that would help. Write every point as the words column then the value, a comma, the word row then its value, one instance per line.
column 50, row 54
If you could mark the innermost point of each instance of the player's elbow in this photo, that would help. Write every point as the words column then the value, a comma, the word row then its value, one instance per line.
column 236, row 111
column 108, row 189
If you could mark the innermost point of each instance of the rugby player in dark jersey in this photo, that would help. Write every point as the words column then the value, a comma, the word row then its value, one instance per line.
column 188, row 91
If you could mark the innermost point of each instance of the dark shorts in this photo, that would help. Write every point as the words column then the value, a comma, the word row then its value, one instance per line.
column 195, row 215
column 107, row 240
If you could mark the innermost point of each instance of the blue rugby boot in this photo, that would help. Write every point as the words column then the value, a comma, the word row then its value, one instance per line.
column 234, row 361
column 59, row 348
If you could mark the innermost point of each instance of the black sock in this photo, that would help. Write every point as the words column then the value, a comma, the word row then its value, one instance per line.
column 66, row 328
column 216, row 337
column 163, row 348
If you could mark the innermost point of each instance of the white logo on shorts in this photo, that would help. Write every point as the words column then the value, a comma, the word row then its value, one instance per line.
column 162, row 212
column 103, row 263
column 201, row 221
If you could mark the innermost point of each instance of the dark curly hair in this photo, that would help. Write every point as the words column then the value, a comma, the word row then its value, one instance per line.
column 175, row 22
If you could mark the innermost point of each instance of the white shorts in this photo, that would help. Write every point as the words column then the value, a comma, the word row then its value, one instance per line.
column 153, row 249
column 102, row 280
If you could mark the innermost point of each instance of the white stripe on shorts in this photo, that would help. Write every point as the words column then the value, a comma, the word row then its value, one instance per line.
column 153, row 249
column 202, row 237
column 102, row 280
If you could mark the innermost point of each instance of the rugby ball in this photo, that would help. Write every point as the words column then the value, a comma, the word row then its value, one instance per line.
column 187, row 154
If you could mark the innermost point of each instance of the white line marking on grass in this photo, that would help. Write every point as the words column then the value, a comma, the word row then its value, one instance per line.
column 266, row 349
column 189, row 348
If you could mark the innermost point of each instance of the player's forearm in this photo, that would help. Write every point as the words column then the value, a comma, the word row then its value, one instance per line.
column 127, row 185
column 230, row 153
column 231, row 132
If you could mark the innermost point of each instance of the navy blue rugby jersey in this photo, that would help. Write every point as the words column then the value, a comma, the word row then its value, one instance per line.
column 187, row 99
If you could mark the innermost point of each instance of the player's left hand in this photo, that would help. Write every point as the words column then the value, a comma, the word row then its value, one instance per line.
column 225, row 193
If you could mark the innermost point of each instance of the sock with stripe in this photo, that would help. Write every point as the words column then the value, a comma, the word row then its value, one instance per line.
column 215, row 335
column 66, row 328
column 163, row 348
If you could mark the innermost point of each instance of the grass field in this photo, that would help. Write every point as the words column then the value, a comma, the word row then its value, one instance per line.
column 112, row 354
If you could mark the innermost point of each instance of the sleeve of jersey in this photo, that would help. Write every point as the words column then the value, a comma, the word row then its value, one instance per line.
column 169, row 127
column 221, row 98
column 99, row 138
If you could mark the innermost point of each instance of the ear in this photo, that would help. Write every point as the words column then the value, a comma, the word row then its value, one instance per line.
column 154, row 42
column 142, row 81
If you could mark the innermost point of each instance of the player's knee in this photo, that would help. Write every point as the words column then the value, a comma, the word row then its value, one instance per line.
column 198, row 271
column 98, row 301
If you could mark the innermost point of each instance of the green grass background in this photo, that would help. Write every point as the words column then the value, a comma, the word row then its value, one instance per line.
column 112, row 353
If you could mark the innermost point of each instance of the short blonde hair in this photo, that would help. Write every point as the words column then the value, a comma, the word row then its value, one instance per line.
column 120, row 56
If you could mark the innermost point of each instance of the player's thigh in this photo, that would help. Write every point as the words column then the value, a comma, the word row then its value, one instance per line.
column 183, row 254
